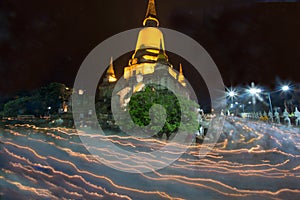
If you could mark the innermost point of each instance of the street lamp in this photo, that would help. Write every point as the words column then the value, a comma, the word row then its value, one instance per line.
column 255, row 93
column 270, row 102
column 49, row 108
column 285, row 88
column 231, row 94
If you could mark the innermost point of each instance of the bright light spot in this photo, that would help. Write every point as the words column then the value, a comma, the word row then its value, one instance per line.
column 254, row 91
column 258, row 91
column 80, row 92
column 285, row 88
column 231, row 93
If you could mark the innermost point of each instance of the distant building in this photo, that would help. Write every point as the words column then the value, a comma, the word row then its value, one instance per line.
column 108, row 83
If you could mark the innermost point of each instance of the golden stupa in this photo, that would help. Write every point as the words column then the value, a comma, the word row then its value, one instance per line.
column 148, row 64
column 149, row 54
column 150, row 49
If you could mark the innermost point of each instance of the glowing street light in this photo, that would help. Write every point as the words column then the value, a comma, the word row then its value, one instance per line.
column 255, row 93
column 285, row 88
column 232, row 94
column 49, row 108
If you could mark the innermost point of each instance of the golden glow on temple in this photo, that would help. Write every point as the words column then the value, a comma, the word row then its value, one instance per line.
column 181, row 78
column 111, row 73
column 150, row 38
column 150, row 50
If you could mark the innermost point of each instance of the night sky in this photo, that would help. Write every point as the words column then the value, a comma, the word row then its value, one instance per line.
column 46, row 41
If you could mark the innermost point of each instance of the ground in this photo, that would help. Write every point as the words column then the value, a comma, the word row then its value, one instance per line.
column 252, row 160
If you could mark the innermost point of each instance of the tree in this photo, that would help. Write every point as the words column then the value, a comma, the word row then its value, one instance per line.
column 52, row 95
column 24, row 106
column 142, row 101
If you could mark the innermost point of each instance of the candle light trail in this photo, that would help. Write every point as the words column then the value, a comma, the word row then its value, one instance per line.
column 53, row 161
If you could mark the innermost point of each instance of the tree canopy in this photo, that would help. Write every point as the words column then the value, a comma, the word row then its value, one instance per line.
column 37, row 103
column 180, row 110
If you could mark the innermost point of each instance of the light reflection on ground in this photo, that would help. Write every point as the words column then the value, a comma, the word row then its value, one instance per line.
column 252, row 160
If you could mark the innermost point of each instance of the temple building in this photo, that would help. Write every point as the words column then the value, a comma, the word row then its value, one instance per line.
column 149, row 63
column 150, row 57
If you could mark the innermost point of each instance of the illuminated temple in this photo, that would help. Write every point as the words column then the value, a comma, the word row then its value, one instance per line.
column 150, row 56
column 149, row 62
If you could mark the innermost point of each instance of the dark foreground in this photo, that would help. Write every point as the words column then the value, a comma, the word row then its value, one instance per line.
column 252, row 160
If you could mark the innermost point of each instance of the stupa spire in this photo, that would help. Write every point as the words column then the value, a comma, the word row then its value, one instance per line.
column 151, row 10
column 181, row 78
column 180, row 69
column 110, row 72
column 151, row 15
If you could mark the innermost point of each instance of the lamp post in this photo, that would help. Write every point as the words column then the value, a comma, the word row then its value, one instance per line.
column 81, row 94
column 49, row 108
column 231, row 94
column 285, row 89
column 254, row 92
column 270, row 102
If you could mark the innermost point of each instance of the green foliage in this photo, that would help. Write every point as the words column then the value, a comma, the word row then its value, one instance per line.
column 179, row 111
column 189, row 121
column 50, row 96
column 54, row 94
column 24, row 105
